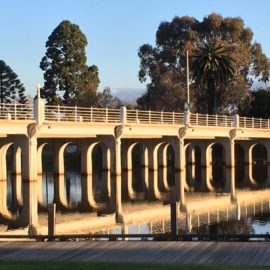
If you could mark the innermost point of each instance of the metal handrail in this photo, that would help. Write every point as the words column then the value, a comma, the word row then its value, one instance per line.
column 211, row 120
column 155, row 117
column 16, row 111
column 81, row 114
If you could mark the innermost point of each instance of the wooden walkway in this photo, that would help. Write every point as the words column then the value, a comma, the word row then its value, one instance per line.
column 208, row 253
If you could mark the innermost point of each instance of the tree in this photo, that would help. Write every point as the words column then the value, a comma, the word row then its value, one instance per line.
column 66, row 74
column 11, row 89
column 88, row 96
column 212, row 66
column 106, row 100
column 168, row 56
column 259, row 105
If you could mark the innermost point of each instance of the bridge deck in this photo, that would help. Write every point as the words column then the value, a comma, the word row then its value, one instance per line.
column 208, row 253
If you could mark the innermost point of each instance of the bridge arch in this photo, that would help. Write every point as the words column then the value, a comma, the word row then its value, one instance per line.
column 136, row 168
column 193, row 166
column 215, row 162
column 10, row 178
column 258, row 166
column 239, row 165
column 99, row 164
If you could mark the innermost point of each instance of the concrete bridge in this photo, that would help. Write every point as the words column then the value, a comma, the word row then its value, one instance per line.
column 193, row 142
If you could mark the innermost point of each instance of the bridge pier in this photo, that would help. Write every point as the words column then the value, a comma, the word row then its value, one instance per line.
column 230, row 168
column 180, row 174
column 87, row 197
column 17, row 176
column 60, row 198
column 163, row 166
column 29, row 214
column 118, row 181
column 154, row 192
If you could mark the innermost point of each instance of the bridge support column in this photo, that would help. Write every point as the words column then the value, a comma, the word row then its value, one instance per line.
column 87, row 199
column 153, row 171
column 4, row 212
column 206, row 167
column 17, row 176
column 106, row 169
column 40, row 176
column 267, row 184
column 191, row 166
column 180, row 180
column 127, row 165
column 59, row 173
column 118, row 185
column 163, row 165
column 30, row 199
column 230, row 168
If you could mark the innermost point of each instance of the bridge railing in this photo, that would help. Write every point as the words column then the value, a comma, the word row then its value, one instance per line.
column 81, row 114
column 16, row 111
column 211, row 120
column 154, row 117
column 251, row 122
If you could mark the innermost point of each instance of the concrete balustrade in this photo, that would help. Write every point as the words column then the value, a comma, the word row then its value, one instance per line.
column 118, row 133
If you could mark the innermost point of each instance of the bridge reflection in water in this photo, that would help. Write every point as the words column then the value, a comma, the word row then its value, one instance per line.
column 129, row 164
column 144, row 212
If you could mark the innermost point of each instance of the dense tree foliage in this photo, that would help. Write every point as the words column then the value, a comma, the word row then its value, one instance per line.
column 11, row 89
column 165, row 64
column 259, row 105
column 105, row 99
column 67, row 77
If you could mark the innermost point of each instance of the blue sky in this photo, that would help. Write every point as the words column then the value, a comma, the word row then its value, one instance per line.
column 114, row 29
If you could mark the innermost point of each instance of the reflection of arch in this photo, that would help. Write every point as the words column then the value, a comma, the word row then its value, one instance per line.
column 257, row 168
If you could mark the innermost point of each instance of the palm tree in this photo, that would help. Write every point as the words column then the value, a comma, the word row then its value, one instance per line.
column 212, row 66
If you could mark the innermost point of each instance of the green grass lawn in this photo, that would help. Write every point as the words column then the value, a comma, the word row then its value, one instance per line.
column 26, row 265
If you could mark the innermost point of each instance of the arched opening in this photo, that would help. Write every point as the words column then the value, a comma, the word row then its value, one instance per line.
column 218, row 166
column 135, row 171
column 170, row 166
column 72, row 172
column 138, row 167
column 45, row 174
column 101, row 172
column 11, row 176
column 193, row 166
column 239, row 165
column 166, row 165
column 259, row 163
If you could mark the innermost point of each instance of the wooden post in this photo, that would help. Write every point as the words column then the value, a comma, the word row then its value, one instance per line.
column 51, row 221
column 174, row 219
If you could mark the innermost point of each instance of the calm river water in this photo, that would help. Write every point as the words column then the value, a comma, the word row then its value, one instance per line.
column 258, row 223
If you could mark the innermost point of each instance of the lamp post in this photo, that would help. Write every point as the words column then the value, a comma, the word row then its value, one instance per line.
column 188, row 101
column 187, row 105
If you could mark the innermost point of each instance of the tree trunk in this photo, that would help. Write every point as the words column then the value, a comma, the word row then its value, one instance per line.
column 211, row 97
